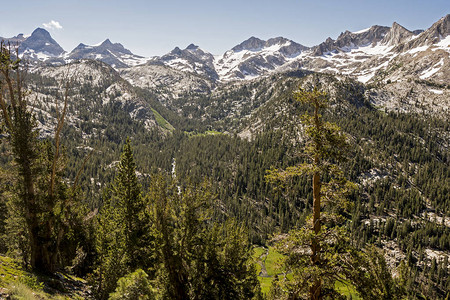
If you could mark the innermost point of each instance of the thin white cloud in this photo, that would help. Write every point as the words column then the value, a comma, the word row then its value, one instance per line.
column 52, row 25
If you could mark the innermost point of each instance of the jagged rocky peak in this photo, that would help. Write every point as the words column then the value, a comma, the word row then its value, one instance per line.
column 255, row 57
column 106, row 42
column 286, row 46
column 114, row 54
column 252, row 44
column 190, row 52
column 40, row 33
column 437, row 32
column 365, row 37
column 198, row 52
column 81, row 46
column 191, row 59
column 441, row 28
column 192, row 47
column 15, row 40
column 324, row 47
column 277, row 41
column 348, row 40
column 41, row 41
column 117, row 47
column 396, row 35
column 175, row 51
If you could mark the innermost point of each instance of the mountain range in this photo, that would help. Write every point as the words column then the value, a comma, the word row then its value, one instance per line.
column 362, row 55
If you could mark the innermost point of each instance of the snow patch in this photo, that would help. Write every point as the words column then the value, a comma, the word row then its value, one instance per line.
column 431, row 71
column 366, row 77
column 439, row 92
column 418, row 49
column 362, row 31
column 443, row 44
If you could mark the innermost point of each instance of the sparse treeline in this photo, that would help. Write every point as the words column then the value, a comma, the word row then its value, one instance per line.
column 111, row 210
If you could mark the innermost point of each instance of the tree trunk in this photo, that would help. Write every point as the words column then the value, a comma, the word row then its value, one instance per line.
column 315, row 290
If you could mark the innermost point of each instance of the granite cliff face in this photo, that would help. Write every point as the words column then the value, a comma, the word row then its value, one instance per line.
column 351, row 40
column 396, row 35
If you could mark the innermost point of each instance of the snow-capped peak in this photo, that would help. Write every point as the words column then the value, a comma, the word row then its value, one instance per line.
column 113, row 54
column 255, row 57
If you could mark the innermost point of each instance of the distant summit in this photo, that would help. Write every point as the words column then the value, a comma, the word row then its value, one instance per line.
column 110, row 53
column 40, row 46
column 191, row 59
column 396, row 35
column 255, row 57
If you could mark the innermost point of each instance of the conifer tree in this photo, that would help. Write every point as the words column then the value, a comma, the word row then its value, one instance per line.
column 200, row 259
column 321, row 253
column 130, row 202
column 124, row 241
column 316, row 269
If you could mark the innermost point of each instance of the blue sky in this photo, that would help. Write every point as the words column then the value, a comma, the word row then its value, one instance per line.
column 155, row 27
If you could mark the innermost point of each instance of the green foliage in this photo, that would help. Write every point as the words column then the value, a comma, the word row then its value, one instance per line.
column 269, row 263
column 336, row 262
column 273, row 262
column 314, row 253
column 347, row 290
column 19, row 283
column 112, row 257
column 11, row 271
column 162, row 122
column 123, row 238
column 200, row 259
column 373, row 279
column 133, row 286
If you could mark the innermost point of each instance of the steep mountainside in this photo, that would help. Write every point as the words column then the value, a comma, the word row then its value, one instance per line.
column 351, row 40
column 255, row 57
column 396, row 35
column 167, row 82
column 95, row 91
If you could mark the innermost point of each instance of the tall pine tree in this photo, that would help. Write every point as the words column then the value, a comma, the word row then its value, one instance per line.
column 124, row 241
column 311, row 250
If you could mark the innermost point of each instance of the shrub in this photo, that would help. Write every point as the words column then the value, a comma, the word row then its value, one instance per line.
column 133, row 286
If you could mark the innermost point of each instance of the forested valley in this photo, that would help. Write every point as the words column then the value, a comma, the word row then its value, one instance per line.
column 352, row 198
